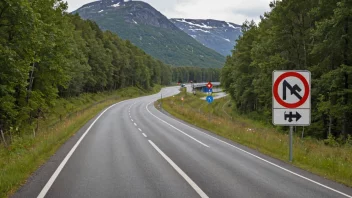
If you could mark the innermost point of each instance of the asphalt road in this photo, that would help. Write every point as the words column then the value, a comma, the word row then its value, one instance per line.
column 134, row 150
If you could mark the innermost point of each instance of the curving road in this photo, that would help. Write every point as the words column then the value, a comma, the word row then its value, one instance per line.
column 133, row 150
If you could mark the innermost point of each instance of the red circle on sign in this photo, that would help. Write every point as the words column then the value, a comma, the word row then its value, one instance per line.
column 276, row 90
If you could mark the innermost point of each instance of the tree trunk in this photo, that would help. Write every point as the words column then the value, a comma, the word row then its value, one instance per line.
column 3, row 138
column 346, row 62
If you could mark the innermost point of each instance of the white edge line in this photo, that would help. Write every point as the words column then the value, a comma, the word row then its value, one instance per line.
column 271, row 163
column 176, row 128
column 144, row 135
column 63, row 163
column 179, row 171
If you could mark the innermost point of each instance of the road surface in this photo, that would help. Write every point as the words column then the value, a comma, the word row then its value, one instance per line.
column 133, row 150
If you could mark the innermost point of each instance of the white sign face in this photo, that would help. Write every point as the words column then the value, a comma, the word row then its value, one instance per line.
column 291, row 98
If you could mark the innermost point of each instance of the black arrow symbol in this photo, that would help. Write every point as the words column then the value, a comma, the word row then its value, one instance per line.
column 290, row 116
column 294, row 90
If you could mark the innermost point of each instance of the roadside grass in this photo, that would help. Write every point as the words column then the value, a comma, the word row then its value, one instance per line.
column 27, row 153
column 334, row 163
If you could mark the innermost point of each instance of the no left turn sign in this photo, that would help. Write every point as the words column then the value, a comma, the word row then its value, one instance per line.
column 291, row 98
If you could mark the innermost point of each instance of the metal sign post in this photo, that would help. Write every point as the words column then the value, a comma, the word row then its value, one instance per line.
column 209, row 98
column 290, row 149
column 291, row 101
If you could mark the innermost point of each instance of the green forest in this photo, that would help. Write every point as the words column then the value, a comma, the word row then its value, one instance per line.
column 47, row 54
column 312, row 35
column 195, row 74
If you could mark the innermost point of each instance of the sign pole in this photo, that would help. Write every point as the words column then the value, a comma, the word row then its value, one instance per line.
column 291, row 101
column 209, row 113
column 291, row 139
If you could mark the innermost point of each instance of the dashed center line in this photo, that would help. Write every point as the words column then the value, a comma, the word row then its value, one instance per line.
column 135, row 124
column 144, row 135
column 131, row 120
column 139, row 129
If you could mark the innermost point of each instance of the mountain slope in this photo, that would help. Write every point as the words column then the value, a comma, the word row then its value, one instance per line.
column 150, row 30
column 220, row 36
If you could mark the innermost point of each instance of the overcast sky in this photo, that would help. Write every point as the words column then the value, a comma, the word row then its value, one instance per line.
column 236, row 11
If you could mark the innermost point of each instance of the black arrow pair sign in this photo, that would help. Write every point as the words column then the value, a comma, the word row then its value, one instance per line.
column 294, row 90
column 290, row 116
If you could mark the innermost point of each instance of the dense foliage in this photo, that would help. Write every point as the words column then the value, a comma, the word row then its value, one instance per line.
column 297, row 34
column 46, row 53
column 164, row 41
column 195, row 74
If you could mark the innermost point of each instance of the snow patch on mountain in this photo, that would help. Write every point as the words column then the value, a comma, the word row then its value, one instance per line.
column 220, row 36
column 230, row 25
column 193, row 24
column 199, row 30
column 116, row 5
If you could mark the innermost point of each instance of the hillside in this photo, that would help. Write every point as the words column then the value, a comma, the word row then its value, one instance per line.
column 148, row 29
column 220, row 36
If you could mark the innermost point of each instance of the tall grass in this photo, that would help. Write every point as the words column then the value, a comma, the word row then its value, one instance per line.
column 27, row 153
column 334, row 163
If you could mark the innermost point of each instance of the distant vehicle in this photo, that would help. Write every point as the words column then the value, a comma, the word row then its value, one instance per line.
column 183, row 85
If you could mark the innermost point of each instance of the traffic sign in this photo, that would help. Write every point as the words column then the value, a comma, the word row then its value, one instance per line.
column 291, row 98
column 209, row 99
column 209, row 85
column 207, row 90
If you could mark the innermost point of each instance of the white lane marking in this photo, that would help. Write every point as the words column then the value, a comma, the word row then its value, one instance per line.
column 135, row 124
column 176, row 128
column 140, row 129
column 63, row 163
column 131, row 120
column 144, row 135
column 282, row 168
column 271, row 163
column 183, row 174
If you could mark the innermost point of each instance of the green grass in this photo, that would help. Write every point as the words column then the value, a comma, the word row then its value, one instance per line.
column 334, row 163
column 26, row 153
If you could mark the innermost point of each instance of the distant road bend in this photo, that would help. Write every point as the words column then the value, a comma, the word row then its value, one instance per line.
column 133, row 150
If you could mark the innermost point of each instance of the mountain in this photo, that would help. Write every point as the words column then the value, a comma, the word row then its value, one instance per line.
column 148, row 29
column 220, row 36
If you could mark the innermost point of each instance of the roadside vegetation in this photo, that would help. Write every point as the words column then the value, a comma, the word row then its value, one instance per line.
column 57, row 72
column 326, row 158
column 28, row 152
column 314, row 35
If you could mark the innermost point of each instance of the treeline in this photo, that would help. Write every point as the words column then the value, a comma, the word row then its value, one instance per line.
column 314, row 35
column 46, row 53
column 195, row 74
